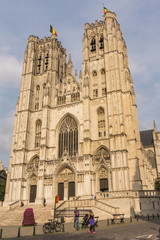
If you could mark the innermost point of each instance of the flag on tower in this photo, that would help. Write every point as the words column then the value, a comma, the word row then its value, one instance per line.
column 53, row 31
column 105, row 10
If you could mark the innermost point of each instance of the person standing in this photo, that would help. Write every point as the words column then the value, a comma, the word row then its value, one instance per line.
column 91, row 222
column 76, row 218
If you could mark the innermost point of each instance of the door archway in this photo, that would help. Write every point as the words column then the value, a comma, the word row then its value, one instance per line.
column 66, row 184
column 103, row 180
column 33, row 189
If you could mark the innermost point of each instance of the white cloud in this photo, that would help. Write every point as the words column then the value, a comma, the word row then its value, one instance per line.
column 10, row 70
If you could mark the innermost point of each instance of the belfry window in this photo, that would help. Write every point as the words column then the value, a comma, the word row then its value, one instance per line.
column 46, row 61
column 39, row 63
column 101, row 123
column 101, row 42
column 68, row 137
column 93, row 45
column 38, row 133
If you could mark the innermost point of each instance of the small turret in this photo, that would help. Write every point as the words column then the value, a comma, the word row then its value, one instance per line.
column 70, row 65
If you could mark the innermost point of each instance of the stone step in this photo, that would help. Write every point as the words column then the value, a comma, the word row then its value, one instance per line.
column 15, row 216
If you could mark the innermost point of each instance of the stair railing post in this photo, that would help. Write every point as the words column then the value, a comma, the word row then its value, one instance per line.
column 19, row 232
column 107, row 222
column 1, row 230
column 34, row 230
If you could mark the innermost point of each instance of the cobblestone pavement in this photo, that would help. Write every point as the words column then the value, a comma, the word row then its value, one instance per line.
column 141, row 230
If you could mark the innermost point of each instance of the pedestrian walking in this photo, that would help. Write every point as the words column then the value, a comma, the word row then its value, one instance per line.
column 44, row 202
column 76, row 218
column 91, row 222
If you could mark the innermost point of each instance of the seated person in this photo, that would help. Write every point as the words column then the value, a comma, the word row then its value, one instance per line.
column 86, row 221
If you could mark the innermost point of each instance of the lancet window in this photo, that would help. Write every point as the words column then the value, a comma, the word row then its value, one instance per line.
column 104, row 91
column 101, row 123
column 68, row 137
column 39, row 63
column 75, row 97
column 101, row 42
column 38, row 133
column 46, row 61
column 61, row 100
column 93, row 44
column 95, row 93
column 37, row 97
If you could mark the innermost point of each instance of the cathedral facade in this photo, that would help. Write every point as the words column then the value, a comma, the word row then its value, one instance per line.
column 77, row 138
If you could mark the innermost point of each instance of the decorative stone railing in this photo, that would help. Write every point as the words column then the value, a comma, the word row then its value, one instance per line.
column 115, row 194
column 146, row 193
column 86, row 203
column 14, row 205
column 122, row 194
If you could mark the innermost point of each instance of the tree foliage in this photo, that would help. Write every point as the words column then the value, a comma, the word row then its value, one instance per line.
column 157, row 184
column 2, row 190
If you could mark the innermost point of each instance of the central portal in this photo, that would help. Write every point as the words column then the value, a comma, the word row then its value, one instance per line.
column 66, row 184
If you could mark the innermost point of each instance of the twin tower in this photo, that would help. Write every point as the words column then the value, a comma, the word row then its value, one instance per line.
column 76, row 137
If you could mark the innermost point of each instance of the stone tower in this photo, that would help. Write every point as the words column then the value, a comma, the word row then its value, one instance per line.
column 108, row 83
column 77, row 138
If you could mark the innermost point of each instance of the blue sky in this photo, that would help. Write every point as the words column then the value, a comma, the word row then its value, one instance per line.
column 140, row 25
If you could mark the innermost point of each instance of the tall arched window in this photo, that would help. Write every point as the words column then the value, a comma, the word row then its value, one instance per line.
column 46, row 61
column 37, row 97
column 39, row 63
column 101, row 122
column 101, row 42
column 93, row 44
column 68, row 137
column 38, row 133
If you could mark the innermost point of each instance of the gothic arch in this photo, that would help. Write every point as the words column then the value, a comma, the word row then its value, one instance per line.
column 62, row 119
column 100, row 107
column 102, row 153
column 33, row 164
column 67, row 136
column 62, row 167
column 65, row 182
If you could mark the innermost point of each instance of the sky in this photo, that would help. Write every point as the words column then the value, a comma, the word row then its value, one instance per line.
column 140, row 25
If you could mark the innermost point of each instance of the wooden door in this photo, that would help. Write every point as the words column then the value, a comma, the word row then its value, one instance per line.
column 33, row 192
column 61, row 191
column 104, row 185
column 71, row 189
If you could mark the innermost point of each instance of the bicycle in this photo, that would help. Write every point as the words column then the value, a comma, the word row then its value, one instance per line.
column 52, row 225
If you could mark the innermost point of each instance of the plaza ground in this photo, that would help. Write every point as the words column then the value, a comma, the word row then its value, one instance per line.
column 141, row 229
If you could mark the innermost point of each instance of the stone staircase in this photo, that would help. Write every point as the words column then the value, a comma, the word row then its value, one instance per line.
column 42, row 214
column 99, row 208
column 15, row 216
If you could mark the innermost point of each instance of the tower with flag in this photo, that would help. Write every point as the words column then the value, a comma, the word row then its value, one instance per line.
column 74, row 138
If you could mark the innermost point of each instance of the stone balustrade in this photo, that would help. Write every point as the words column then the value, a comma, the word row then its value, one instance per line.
column 122, row 194
column 85, row 203
column 14, row 205
column 146, row 193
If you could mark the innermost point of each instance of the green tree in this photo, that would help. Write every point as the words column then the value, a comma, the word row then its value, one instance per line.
column 2, row 190
column 157, row 184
